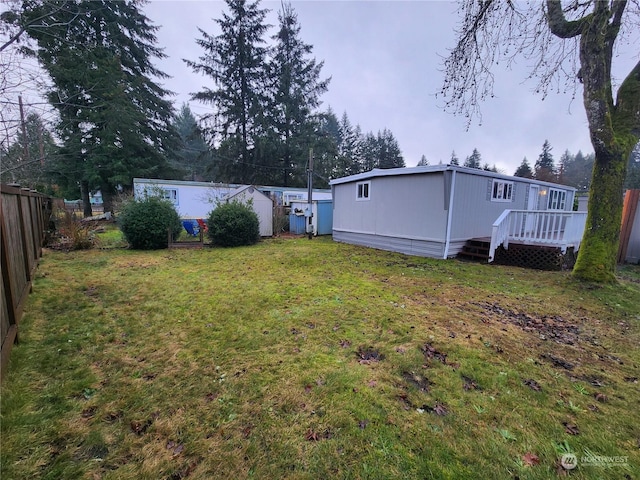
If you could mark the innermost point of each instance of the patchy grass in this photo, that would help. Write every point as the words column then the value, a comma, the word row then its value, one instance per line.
column 312, row 359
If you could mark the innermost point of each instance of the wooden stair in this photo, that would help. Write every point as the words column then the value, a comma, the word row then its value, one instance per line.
column 476, row 249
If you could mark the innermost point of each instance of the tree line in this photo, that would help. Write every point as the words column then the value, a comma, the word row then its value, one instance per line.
column 114, row 121
column 574, row 170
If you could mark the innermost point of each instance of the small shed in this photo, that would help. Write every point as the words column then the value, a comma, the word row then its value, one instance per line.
column 433, row 211
column 322, row 220
column 262, row 205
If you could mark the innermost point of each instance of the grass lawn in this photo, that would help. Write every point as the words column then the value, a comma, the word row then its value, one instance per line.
column 312, row 360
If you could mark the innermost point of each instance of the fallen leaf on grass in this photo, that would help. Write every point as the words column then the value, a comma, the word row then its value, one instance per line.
column 470, row 384
column 530, row 459
column 571, row 428
column 313, row 436
column 175, row 448
column 532, row 384
column 210, row 397
column 362, row 424
column 345, row 343
column 372, row 383
column 246, row 431
column 430, row 352
column 439, row 409
column 600, row 397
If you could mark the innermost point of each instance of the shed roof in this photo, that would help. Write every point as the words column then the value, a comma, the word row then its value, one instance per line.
column 239, row 190
column 430, row 169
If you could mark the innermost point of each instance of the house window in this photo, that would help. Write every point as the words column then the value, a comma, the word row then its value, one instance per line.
column 557, row 199
column 501, row 191
column 363, row 189
column 170, row 194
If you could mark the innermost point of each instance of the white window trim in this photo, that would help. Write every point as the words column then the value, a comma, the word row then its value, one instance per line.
column 170, row 194
column 366, row 188
column 499, row 196
column 557, row 197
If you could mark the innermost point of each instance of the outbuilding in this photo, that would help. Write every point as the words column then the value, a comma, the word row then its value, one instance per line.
column 261, row 204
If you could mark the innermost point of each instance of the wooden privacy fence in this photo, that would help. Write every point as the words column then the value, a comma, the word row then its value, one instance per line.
column 24, row 218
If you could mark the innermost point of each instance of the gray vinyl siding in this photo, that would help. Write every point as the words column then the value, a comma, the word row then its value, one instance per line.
column 473, row 210
column 409, row 207
column 422, row 248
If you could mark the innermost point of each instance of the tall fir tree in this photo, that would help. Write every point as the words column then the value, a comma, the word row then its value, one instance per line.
column 30, row 159
column 545, row 169
column 192, row 152
column 325, row 150
column 390, row 155
column 454, row 159
column 423, row 161
column 473, row 160
column 296, row 88
column 114, row 116
column 235, row 60
column 524, row 170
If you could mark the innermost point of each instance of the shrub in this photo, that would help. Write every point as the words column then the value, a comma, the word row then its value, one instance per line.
column 233, row 224
column 72, row 234
column 144, row 222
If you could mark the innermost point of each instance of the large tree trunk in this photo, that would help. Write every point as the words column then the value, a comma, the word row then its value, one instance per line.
column 613, row 134
column 107, row 198
column 597, row 255
column 84, row 195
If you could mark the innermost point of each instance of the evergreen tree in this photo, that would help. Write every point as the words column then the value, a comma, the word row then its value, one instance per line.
column 370, row 152
column 545, row 169
column 296, row 91
column 29, row 161
column 349, row 148
column 235, row 60
column 325, row 150
column 192, row 153
column 390, row 155
column 454, row 159
column 473, row 161
column 423, row 162
column 524, row 170
column 114, row 118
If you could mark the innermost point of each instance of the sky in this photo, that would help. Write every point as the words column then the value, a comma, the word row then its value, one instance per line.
column 385, row 60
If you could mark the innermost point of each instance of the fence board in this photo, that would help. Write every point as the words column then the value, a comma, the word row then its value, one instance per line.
column 24, row 217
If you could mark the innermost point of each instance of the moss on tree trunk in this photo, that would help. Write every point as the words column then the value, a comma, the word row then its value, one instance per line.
column 597, row 255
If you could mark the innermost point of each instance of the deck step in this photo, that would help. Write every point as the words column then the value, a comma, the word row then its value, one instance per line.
column 475, row 249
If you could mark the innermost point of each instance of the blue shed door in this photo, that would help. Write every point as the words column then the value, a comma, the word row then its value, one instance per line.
column 325, row 217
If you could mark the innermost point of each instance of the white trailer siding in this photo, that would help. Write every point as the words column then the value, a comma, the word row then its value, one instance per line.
column 191, row 199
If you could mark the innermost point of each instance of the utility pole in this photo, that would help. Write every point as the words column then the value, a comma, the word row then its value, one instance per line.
column 309, row 213
column 24, row 130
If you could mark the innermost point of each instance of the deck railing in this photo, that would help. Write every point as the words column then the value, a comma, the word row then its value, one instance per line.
column 537, row 227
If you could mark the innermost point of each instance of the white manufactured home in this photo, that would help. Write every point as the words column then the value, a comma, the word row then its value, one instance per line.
column 433, row 211
column 195, row 200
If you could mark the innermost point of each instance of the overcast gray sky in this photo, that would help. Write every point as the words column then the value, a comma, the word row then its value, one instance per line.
column 385, row 60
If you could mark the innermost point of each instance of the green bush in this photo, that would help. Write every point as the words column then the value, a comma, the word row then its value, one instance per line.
column 233, row 224
column 144, row 222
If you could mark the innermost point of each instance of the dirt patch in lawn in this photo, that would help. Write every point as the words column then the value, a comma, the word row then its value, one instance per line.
column 547, row 327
